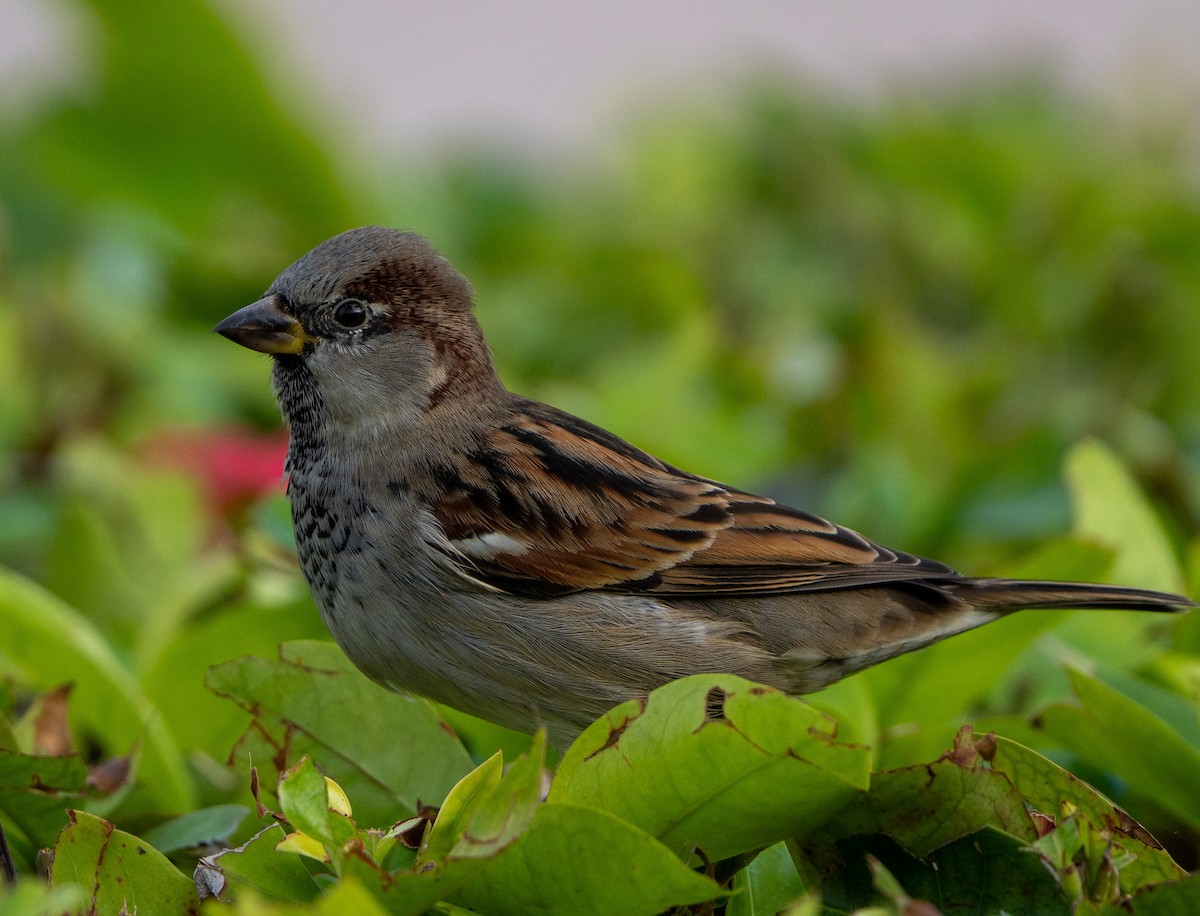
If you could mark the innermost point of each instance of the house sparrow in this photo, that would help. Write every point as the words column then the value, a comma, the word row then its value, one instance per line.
column 520, row 564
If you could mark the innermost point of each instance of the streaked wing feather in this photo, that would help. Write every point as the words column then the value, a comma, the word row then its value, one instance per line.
column 590, row 510
column 550, row 504
column 773, row 549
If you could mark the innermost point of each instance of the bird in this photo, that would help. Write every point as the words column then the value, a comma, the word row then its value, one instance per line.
column 520, row 564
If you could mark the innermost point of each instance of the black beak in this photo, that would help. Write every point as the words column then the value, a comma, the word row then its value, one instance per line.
column 265, row 327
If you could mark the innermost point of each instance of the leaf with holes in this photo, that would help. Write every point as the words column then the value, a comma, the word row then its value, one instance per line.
column 716, row 762
column 1108, row 728
column 1050, row 789
column 922, row 808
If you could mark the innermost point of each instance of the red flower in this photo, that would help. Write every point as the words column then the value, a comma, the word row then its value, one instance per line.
column 234, row 465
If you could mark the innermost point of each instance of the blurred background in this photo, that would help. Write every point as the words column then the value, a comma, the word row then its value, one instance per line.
column 931, row 270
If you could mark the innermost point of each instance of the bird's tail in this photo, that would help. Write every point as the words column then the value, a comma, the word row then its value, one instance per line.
column 1002, row 595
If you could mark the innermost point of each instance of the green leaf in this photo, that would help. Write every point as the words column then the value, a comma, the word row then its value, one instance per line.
column 922, row 808
column 196, row 828
column 304, row 797
column 35, row 899
column 1180, row 672
column 463, row 800
column 1047, row 786
column 409, row 893
column 1050, row 789
column 767, row 885
column 52, row 644
column 1110, row 730
column 713, row 761
column 496, row 831
column 257, row 864
column 809, row 906
column 1175, row 899
column 348, row 896
column 175, row 683
column 1112, row 511
column 983, row 873
column 1181, row 713
column 887, row 885
column 483, row 738
column 8, row 737
column 118, row 871
column 483, row 817
column 851, row 704
column 1082, row 858
column 925, row 807
column 484, row 812
column 386, row 750
column 128, row 550
column 577, row 861
column 35, row 792
column 924, row 696
column 497, row 817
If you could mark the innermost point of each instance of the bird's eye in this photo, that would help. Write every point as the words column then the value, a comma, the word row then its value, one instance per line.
column 351, row 313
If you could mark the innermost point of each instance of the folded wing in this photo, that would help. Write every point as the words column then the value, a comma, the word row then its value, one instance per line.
column 552, row 504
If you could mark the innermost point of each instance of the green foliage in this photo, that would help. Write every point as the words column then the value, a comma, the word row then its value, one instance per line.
column 383, row 781
column 963, row 322
column 119, row 871
column 746, row 768
column 989, row 826
column 1170, row 774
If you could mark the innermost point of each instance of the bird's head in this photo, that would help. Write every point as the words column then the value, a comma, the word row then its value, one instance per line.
column 376, row 317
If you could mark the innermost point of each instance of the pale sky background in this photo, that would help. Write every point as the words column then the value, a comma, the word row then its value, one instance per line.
column 405, row 76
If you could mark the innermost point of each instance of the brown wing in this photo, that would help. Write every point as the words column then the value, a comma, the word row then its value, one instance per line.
column 773, row 549
column 551, row 504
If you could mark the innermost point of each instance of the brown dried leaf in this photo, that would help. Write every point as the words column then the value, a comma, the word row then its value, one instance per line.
column 51, row 725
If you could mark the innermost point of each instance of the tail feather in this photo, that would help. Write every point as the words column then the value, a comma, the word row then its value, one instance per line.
column 910, row 615
column 1014, row 594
